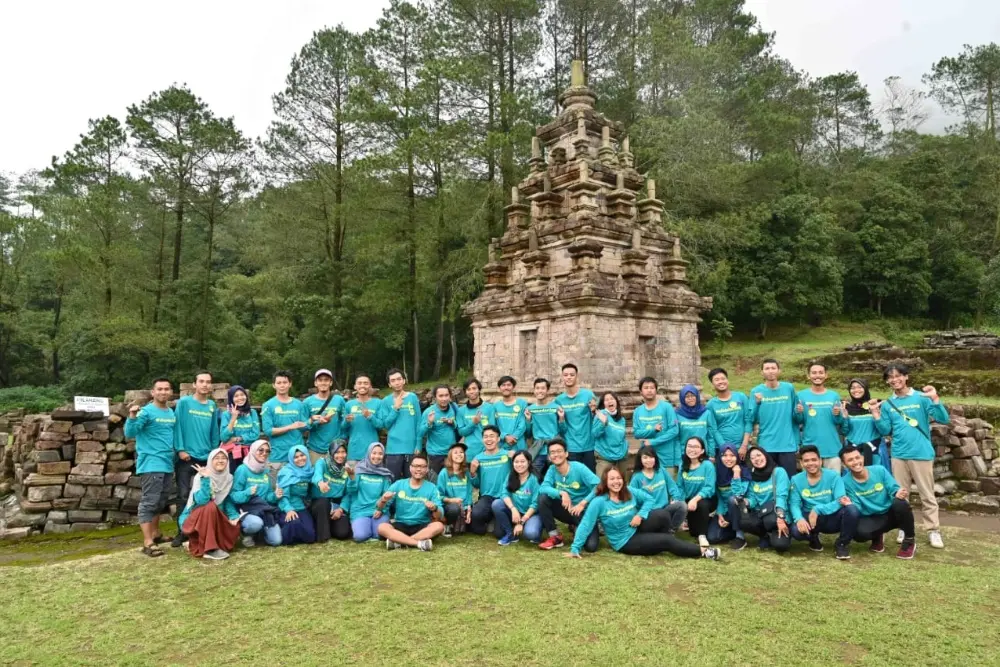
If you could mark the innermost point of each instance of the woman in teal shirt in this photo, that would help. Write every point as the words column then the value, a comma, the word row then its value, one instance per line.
column 516, row 512
column 253, row 494
column 239, row 426
column 697, row 482
column 210, row 519
column 609, row 430
column 454, row 483
column 328, row 493
column 296, row 523
column 624, row 515
column 370, row 481
column 667, row 498
column 763, row 513
column 694, row 420
column 731, row 477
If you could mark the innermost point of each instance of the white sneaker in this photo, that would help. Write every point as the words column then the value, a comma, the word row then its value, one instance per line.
column 447, row 531
column 216, row 554
column 425, row 545
column 392, row 546
column 899, row 538
column 936, row 541
column 712, row 554
column 703, row 542
column 248, row 542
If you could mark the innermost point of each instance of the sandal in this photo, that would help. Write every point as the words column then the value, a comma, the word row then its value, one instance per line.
column 152, row 551
column 160, row 539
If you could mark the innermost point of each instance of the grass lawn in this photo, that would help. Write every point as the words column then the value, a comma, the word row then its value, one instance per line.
column 470, row 603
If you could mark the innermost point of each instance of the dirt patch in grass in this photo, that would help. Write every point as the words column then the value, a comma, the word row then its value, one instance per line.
column 852, row 654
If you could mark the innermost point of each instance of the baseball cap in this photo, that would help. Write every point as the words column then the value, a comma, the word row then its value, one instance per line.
column 323, row 371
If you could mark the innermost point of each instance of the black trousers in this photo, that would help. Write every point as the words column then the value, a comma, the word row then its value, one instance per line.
column 588, row 459
column 550, row 509
column 762, row 526
column 699, row 518
column 650, row 544
column 185, row 472
column 787, row 460
column 339, row 529
column 436, row 463
column 482, row 514
column 900, row 515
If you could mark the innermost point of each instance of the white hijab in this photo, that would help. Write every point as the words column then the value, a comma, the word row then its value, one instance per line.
column 222, row 482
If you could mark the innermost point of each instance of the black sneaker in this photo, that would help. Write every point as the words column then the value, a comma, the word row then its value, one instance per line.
column 815, row 544
column 179, row 539
column 843, row 552
column 738, row 544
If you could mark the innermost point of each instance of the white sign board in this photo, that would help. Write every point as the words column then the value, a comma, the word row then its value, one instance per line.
column 92, row 404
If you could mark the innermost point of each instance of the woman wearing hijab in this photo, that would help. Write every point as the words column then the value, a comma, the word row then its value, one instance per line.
column 695, row 421
column 240, row 426
column 296, row 523
column 253, row 495
column 369, row 482
column 731, row 479
column 859, row 427
column 763, row 512
column 210, row 520
column 329, row 489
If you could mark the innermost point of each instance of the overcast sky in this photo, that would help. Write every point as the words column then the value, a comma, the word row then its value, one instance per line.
column 65, row 61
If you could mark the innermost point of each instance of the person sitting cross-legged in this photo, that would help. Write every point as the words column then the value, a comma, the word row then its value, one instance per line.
column 815, row 499
column 417, row 510
column 881, row 501
column 210, row 519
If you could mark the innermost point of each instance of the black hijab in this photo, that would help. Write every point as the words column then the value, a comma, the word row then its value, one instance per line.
column 858, row 406
column 761, row 474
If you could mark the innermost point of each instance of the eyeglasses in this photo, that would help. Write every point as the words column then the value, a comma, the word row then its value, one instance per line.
column 418, row 467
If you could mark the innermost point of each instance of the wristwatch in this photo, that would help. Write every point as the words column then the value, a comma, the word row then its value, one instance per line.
column 780, row 513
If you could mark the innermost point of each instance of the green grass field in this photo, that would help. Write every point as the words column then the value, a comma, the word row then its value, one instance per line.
column 470, row 603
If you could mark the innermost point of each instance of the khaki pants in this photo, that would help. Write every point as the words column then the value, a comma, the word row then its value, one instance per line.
column 832, row 463
column 908, row 472
column 604, row 464
column 315, row 456
column 672, row 471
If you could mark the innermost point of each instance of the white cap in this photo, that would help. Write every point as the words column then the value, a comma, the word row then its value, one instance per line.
column 323, row 371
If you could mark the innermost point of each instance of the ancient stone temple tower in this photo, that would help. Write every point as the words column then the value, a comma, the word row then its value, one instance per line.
column 585, row 271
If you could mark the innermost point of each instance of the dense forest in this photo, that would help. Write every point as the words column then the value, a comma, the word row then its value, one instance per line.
column 166, row 240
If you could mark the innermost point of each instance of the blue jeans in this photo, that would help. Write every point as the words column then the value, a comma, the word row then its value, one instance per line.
column 532, row 530
column 717, row 534
column 843, row 521
column 540, row 465
column 251, row 525
column 365, row 528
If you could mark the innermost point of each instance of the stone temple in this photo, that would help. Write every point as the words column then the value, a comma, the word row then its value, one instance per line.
column 585, row 271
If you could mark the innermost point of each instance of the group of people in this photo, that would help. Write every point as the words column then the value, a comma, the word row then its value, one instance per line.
column 316, row 469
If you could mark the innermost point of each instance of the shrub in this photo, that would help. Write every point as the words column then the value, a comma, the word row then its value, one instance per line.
column 33, row 399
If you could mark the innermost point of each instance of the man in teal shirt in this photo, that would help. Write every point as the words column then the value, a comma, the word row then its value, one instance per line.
column 820, row 412
column 473, row 417
column 490, row 471
column 576, row 409
column 196, row 433
column 567, row 488
column 906, row 417
column 815, row 498
column 773, row 413
column 360, row 420
column 881, row 502
column 285, row 418
column 543, row 425
column 654, row 424
column 326, row 414
column 733, row 414
column 508, row 411
column 153, row 430
column 417, row 509
column 400, row 416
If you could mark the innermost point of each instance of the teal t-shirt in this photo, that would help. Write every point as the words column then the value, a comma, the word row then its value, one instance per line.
column 153, row 430
column 661, row 488
column 246, row 428
column 408, row 503
column 321, row 436
column 824, row 496
column 820, row 426
column 738, row 487
column 453, row 486
column 615, row 517
column 510, row 421
column 610, row 442
column 700, row 427
column 875, row 494
column 364, row 491
column 909, row 424
column 774, row 416
column 472, row 432
column 294, row 497
column 275, row 414
column 526, row 496
column 544, row 424
column 733, row 419
column 401, row 425
column 244, row 481
column 579, row 418
column 664, row 441
column 360, row 431
column 859, row 429
column 321, row 473
column 202, row 496
column 698, row 482
column 579, row 482
column 197, row 428
column 442, row 434
column 775, row 488
column 491, row 477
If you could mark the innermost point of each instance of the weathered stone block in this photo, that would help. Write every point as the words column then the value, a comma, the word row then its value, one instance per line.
column 90, row 457
column 75, row 490
column 69, row 415
column 99, row 503
column 117, row 477
column 117, row 435
column 22, row 519
column 81, row 527
column 966, row 450
column 88, row 469
column 121, row 466
column 115, row 448
column 77, row 428
column 58, row 516
column 58, row 427
column 28, row 467
column 85, row 515
column 68, row 452
column 89, row 446
column 964, row 469
column 48, row 444
column 65, row 503
column 56, row 468
column 135, row 482
column 980, row 464
column 990, row 486
column 101, row 434
column 98, row 492
column 120, row 517
column 970, row 485
column 116, row 456
column 15, row 533
column 30, row 507
column 981, row 504
column 41, row 494
column 961, row 430
column 53, row 528
column 86, row 480
column 44, row 480
column 96, row 425
column 45, row 455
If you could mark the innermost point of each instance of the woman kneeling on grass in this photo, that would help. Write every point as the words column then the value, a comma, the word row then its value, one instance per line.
column 762, row 513
column 624, row 516
column 210, row 520
column 455, row 486
column 296, row 523
column 255, row 498
column 517, row 512
column 329, row 491
column 370, row 480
